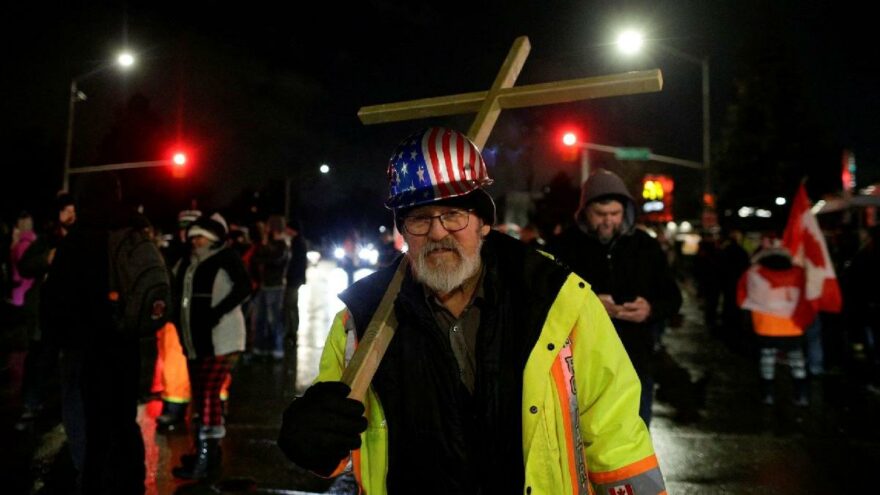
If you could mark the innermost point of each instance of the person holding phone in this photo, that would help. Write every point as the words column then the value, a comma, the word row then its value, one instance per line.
column 626, row 268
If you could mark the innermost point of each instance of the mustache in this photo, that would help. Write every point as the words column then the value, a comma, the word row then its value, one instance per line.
column 445, row 243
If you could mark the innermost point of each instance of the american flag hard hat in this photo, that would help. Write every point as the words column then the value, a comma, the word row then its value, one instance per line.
column 434, row 164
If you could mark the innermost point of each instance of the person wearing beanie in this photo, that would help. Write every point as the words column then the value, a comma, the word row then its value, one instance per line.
column 171, row 367
column 626, row 268
column 503, row 375
column 210, row 284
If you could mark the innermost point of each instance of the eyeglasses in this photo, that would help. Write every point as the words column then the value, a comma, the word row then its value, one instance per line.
column 452, row 221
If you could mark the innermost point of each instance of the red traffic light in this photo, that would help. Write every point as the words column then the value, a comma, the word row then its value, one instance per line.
column 178, row 164
column 571, row 144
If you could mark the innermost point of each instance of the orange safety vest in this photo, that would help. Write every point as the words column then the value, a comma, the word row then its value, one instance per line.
column 171, row 372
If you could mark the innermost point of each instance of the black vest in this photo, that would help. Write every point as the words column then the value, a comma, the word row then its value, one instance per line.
column 441, row 439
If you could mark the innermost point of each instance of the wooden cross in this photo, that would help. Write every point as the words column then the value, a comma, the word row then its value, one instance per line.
column 488, row 104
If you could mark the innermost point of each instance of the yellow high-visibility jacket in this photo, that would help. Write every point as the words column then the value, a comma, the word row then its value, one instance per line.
column 586, row 438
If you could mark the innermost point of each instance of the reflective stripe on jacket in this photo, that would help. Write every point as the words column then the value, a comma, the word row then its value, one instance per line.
column 577, row 369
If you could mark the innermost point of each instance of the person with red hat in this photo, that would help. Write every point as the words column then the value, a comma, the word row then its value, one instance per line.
column 504, row 374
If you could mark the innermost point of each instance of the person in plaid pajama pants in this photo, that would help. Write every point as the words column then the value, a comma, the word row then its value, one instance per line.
column 211, row 284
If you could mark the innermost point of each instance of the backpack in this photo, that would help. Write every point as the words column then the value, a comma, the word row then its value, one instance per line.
column 140, row 289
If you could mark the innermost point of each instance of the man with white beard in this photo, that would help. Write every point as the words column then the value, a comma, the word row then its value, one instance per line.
column 504, row 374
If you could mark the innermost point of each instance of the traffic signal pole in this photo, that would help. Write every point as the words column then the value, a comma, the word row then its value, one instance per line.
column 585, row 159
column 585, row 162
column 120, row 166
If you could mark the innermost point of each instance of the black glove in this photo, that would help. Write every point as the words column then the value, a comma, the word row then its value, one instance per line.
column 320, row 428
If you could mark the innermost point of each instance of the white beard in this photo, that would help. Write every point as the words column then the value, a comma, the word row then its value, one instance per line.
column 442, row 277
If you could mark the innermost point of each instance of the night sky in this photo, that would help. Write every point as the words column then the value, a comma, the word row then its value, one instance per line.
column 260, row 92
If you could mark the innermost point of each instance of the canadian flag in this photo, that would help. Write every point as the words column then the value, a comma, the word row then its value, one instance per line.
column 625, row 489
column 805, row 241
column 776, row 292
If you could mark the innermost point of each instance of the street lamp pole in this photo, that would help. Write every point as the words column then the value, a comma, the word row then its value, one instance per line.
column 707, row 143
column 631, row 42
column 71, row 107
column 703, row 62
column 124, row 60
column 585, row 162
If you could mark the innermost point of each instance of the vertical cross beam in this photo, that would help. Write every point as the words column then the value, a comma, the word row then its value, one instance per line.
column 490, row 109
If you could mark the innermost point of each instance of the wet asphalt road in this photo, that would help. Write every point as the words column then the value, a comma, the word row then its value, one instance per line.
column 736, row 446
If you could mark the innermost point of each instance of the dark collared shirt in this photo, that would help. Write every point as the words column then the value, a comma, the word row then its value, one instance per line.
column 462, row 331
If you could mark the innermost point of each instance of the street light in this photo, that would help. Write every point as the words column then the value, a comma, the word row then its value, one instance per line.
column 631, row 42
column 124, row 60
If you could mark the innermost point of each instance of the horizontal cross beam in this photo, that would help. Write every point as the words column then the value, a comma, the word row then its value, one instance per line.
column 645, row 81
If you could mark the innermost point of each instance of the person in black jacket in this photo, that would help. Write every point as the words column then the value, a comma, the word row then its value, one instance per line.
column 862, row 301
column 294, row 277
column 41, row 362
column 100, row 366
column 733, row 262
column 626, row 268
column 211, row 283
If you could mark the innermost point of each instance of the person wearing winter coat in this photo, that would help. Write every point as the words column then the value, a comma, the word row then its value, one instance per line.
column 41, row 362
column 100, row 366
column 773, row 289
column 210, row 284
column 24, row 236
column 504, row 374
column 625, row 267
column 269, row 266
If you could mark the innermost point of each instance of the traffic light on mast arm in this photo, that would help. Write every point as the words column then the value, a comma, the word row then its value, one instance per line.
column 180, row 162
column 571, row 145
column 178, row 165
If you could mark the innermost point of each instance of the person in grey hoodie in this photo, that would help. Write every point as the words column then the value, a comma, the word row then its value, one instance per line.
column 625, row 267
column 211, row 283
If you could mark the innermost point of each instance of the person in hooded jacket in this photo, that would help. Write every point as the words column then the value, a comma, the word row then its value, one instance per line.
column 210, row 284
column 626, row 268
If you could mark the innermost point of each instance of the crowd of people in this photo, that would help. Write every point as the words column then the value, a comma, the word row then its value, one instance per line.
column 814, row 341
column 494, row 338
column 232, row 296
